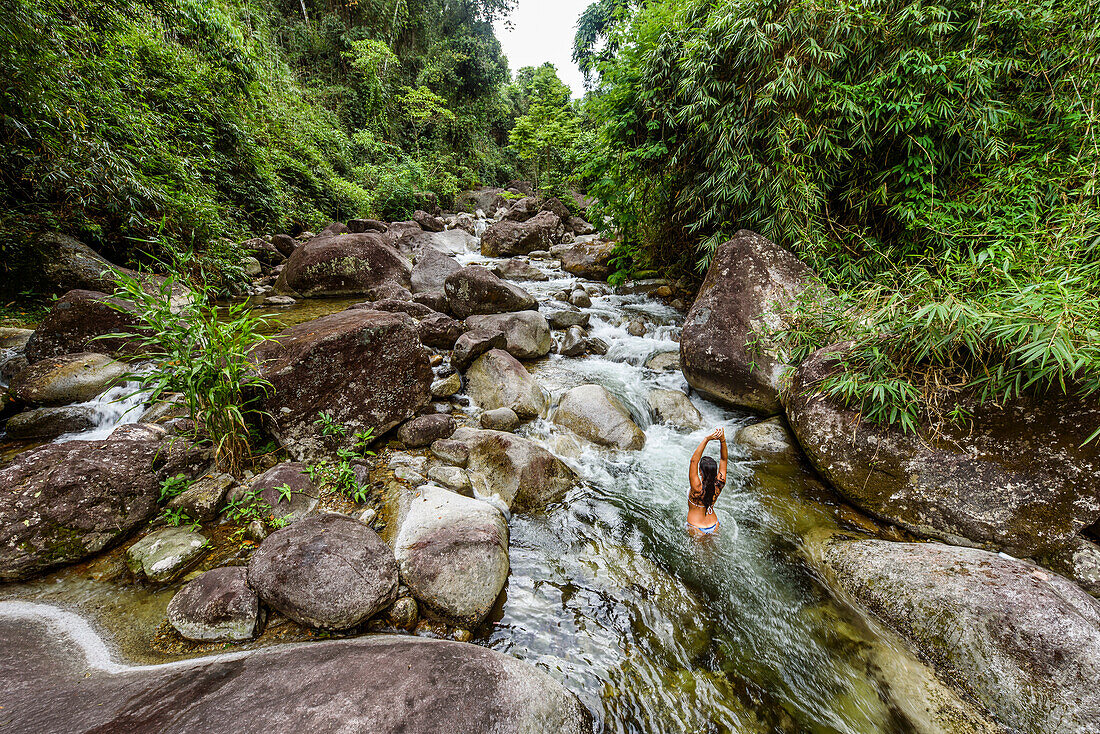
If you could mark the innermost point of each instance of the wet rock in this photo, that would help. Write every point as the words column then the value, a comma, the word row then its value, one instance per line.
column 513, row 472
column 347, row 265
column 218, row 606
column 74, row 322
column 164, row 554
column 636, row 328
column 523, row 209
column 486, row 199
column 366, row 225
column 448, row 386
column 328, row 571
column 501, row 419
column 284, row 243
column 475, row 290
column 1019, row 478
column 574, row 343
column 506, row 238
column 47, row 423
column 526, row 333
column 580, row 298
column 593, row 413
column 203, row 500
column 279, row 301
column 452, row 452
column 403, row 614
column 283, row 491
column 672, row 406
column 453, row 554
column 769, row 437
column 383, row 684
column 451, row 477
column 589, row 259
column 72, row 378
column 516, row 269
column 439, row 331
column 475, row 343
column 1022, row 641
column 566, row 318
column 724, row 351
column 664, row 361
column 62, row 503
column 365, row 369
column 431, row 270
column 497, row 380
column 424, row 430
column 427, row 222
column 595, row 345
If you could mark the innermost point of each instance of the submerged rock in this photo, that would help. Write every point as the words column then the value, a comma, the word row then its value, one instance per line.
column 593, row 413
column 1022, row 641
column 218, row 606
column 328, row 571
column 364, row 369
column 453, row 554
column 72, row 378
column 343, row 265
column 381, row 684
column 498, row 380
column 725, row 350
column 62, row 503
column 164, row 554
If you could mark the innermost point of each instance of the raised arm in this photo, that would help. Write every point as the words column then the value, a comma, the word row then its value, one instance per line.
column 722, row 462
column 693, row 470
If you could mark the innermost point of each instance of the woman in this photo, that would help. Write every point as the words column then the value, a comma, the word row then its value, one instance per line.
column 707, row 479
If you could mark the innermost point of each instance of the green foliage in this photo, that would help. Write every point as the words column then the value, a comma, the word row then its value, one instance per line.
column 547, row 136
column 935, row 162
column 177, row 518
column 199, row 351
column 339, row 475
column 328, row 425
column 174, row 487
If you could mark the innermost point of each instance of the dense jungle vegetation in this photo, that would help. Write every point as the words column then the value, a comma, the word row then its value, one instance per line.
column 934, row 162
column 133, row 123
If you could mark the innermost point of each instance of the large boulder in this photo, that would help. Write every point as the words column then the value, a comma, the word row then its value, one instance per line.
column 47, row 423
column 475, row 290
column 589, row 259
column 62, row 503
column 329, row 571
column 427, row 222
column 72, row 378
column 1023, row 642
column 513, row 472
column 67, row 263
column 672, row 406
column 431, row 270
column 164, row 554
column 453, row 554
column 343, row 265
column 1018, row 478
column 472, row 344
column 496, row 379
column 218, row 606
column 725, row 349
column 523, row 209
column 593, row 413
column 486, row 199
column 365, row 369
column 526, row 333
column 426, row 429
column 450, row 242
column 76, row 320
column 517, row 269
column 439, row 331
column 383, row 684
column 506, row 238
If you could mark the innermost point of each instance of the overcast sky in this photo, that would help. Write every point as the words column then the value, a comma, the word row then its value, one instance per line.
column 542, row 30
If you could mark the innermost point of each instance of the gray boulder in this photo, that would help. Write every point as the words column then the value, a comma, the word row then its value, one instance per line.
column 487, row 199
column 62, row 503
column 565, row 318
column 501, row 419
column 516, row 269
column 511, row 471
column 218, row 606
column 496, row 379
column 574, row 342
column 593, row 413
column 523, row 209
column 472, row 344
column 507, row 238
column 439, row 331
column 285, row 244
column 663, row 361
column 725, row 350
column 343, row 265
column 1022, row 641
column 768, row 437
column 672, row 406
column 589, row 259
column 475, row 290
column 283, row 491
column 47, row 423
column 75, row 322
column 1031, row 493
column 328, row 571
column 453, row 554
column 427, row 222
column 164, row 554
column 425, row 429
column 204, row 498
column 367, row 225
column 431, row 270
column 366, row 369
column 72, row 378
column 66, row 264
column 383, row 684
column 526, row 333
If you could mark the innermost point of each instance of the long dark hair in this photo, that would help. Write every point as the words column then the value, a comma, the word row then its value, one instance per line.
column 708, row 473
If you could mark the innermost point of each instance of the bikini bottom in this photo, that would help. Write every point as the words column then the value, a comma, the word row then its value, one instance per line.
column 708, row 530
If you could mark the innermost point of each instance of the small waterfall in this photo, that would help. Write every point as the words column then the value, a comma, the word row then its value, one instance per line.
column 119, row 405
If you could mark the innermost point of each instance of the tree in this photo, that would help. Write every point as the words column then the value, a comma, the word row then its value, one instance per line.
column 547, row 134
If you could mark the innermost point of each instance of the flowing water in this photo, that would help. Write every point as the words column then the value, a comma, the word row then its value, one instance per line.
column 655, row 631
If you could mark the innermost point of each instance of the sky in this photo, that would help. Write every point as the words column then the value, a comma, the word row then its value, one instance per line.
column 542, row 30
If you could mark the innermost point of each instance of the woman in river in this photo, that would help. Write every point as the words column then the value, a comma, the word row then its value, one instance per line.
column 707, row 478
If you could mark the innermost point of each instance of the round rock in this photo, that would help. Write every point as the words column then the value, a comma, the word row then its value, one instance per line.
column 218, row 606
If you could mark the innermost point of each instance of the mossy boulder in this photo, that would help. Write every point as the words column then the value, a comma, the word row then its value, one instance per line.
column 343, row 265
